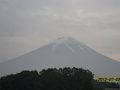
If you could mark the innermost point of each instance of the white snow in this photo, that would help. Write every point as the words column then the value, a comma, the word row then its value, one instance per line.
column 65, row 41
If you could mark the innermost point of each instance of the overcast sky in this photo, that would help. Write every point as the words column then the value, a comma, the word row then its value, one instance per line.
column 28, row 24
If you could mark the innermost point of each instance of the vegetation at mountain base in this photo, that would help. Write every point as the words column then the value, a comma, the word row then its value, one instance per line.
column 103, row 85
column 52, row 79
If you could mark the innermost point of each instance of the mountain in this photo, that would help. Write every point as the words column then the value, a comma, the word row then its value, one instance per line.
column 63, row 52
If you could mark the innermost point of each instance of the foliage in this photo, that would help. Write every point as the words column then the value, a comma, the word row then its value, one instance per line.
column 103, row 85
column 49, row 79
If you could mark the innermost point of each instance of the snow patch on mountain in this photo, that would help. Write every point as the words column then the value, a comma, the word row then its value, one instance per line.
column 68, row 42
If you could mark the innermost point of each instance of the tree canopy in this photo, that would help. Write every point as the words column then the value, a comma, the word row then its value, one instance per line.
column 54, row 79
column 49, row 79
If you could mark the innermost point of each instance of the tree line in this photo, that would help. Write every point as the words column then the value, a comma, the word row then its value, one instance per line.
column 51, row 79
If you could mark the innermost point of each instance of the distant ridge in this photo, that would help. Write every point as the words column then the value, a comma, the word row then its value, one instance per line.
column 63, row 52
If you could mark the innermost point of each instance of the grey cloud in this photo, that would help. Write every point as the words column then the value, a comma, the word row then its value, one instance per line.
column 49, row 19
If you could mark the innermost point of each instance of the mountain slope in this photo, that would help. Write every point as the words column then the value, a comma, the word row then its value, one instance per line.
column 64, row 52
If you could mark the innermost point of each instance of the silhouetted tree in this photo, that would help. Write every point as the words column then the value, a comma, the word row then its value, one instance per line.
column 49, row 79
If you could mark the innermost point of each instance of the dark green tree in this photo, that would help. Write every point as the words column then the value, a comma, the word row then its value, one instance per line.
column 49, row 79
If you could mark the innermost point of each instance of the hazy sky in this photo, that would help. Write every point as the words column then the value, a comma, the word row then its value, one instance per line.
column 28, row 24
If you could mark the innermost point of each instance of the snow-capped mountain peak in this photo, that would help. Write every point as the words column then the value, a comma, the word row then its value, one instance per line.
column 63, row 52
column 68, row 42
